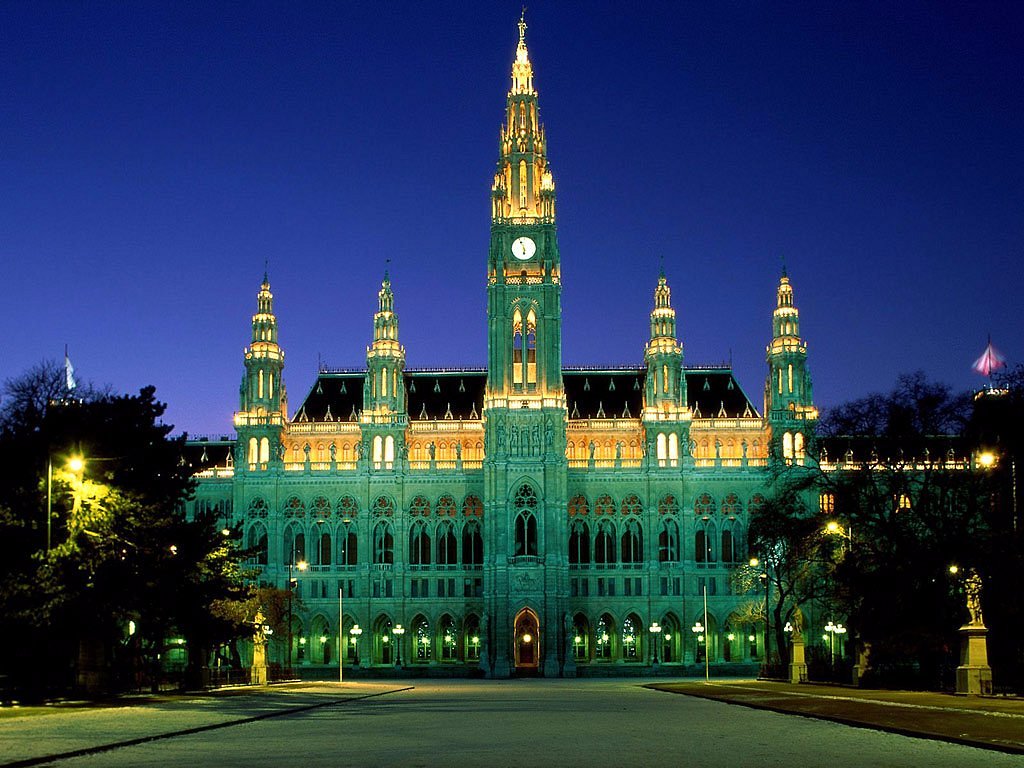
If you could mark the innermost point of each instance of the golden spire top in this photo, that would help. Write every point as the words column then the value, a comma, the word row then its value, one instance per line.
column 522, row 70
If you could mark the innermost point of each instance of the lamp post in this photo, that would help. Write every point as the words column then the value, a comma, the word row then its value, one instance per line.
column 355, row 632
column 398, row 631
column 698, row 631
column 833, row 629
column 292, row 583
column 763, row 575
column 655, row 630
column 74, row 464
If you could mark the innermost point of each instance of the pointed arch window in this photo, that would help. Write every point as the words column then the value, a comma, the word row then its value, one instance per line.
column 729, row 552
column 632, row 550
column 787, row 446
column 525, row 505
column 522, row 184
column 604, row 543
column 517, row 348
column 378, row 450
column 264, row 450
column 259, row 384
column 348, row 545
column 472, row 545
column 389, row 451
column 579, row 543
column 668, row 541
column 383, row 544
column 673, row 449
column 662, row 449
column 531, row 348
column 294, row 545
column 419, row 544
column 257, row 544
column 323, row 553
column 704, row 545
column 447, row 545
column 253, row 453
column 603, row 638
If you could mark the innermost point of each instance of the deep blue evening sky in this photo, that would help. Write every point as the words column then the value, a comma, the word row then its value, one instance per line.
column 153, row 155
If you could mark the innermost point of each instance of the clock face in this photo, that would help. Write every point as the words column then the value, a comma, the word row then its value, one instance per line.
column 523, row 248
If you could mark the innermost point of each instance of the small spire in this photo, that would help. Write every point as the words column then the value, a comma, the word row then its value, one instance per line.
column 266, row 271
column 782, row 258
column 522, row 27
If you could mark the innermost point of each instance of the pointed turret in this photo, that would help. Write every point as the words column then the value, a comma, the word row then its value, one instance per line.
column 665, row 415
column 263, row 399
column 788, row 398
column 384, row 388
column 523, row 189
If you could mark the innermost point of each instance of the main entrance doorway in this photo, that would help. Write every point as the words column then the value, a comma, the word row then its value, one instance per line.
column 527, row 640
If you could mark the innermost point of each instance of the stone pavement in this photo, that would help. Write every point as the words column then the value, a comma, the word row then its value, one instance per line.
column 991, row 722
column 36, row 735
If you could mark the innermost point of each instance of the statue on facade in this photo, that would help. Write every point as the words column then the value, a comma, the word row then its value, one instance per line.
column 306, row 449
column 693, row 447
column 431, row 450
column 591, row 448
column 549, row 434
column 513, row 441
column 501, row 435
column 280, row 450
column 334, row 453
column 618, row 451
column 458, row 451
column 359, row 451
column 743, row 445
column 972, row 586
column 718, row 449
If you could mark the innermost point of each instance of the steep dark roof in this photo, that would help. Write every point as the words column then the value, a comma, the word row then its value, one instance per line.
column 886, row 450
column 459, row 394
column 619, row 393
column 203, row 452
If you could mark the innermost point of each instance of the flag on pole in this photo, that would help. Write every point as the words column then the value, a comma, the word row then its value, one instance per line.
column 989, row 361
column 69, row 371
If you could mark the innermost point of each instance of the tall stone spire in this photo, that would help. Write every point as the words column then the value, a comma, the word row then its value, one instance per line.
column 665, row 389
column 263, row 401
column 384, row 388
column 788, row 400
column 523, row 188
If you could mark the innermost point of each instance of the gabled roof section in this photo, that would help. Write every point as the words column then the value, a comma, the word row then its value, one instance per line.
column 714, row 393
column 203, row 452
column 335, row 396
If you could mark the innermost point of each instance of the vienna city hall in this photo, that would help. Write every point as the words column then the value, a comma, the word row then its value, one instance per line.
column 526, row 518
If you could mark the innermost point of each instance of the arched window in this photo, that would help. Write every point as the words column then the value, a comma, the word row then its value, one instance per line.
column 704, row 549
column 257, row 544
column 323, row 552
column 578, row 506
column 667, row 505
column 630, row 628
column 662, row 449
column 581, row 638
column 756, row 505
column 447, row 545
column 632, row 543
column 419, row 506
column 389, row 450
column 731, row 506
column 604, row 543
column 348, row 508
column 517, row 347
column 446, row 506
column 257, row 507
column 254, row 455
column 449, row 638
column 787, row 445
column 603, row 638
column 419, row 544
column 348, row 545
column 294, row 507
column 827, row 503
column 631, row 505
column 579, row 543
column 531, row 348
column 472, row 545
column 421, row 640
column 798, row 446
column 604, row 505
column 668, row 541
column 525, row 505
column 264, row 450
column 472, row 507
column 728, row 550
column 471, row 638
column 704, row 505
column 383, row 543
column 294, row 545
column 673, row 449
column 259, row 383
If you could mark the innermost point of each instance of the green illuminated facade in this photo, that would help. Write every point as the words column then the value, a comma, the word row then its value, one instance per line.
column 524, row 519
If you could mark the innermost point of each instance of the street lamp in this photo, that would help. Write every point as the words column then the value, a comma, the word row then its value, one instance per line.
column 398, row 631
column 74, row 464
column 833, row 630
column 763, row 576
column 292, row 583
column 655, row 630
column 698, row 630
column 355, row 632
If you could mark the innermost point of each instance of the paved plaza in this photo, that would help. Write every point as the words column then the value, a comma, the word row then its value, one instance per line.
column 459, row 723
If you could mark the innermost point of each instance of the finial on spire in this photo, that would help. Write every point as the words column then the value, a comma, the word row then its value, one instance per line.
column 522, row 26
column 782, row 258
column 661, row 265
column 266, row 270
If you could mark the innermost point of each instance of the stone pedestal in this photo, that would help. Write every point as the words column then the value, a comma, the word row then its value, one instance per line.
column 974, row 675
column 259, row 663
column 797, row 661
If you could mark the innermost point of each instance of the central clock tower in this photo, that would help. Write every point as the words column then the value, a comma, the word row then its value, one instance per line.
column 526, row 568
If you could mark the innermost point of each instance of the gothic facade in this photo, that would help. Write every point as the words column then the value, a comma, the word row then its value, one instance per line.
column 526, row 518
